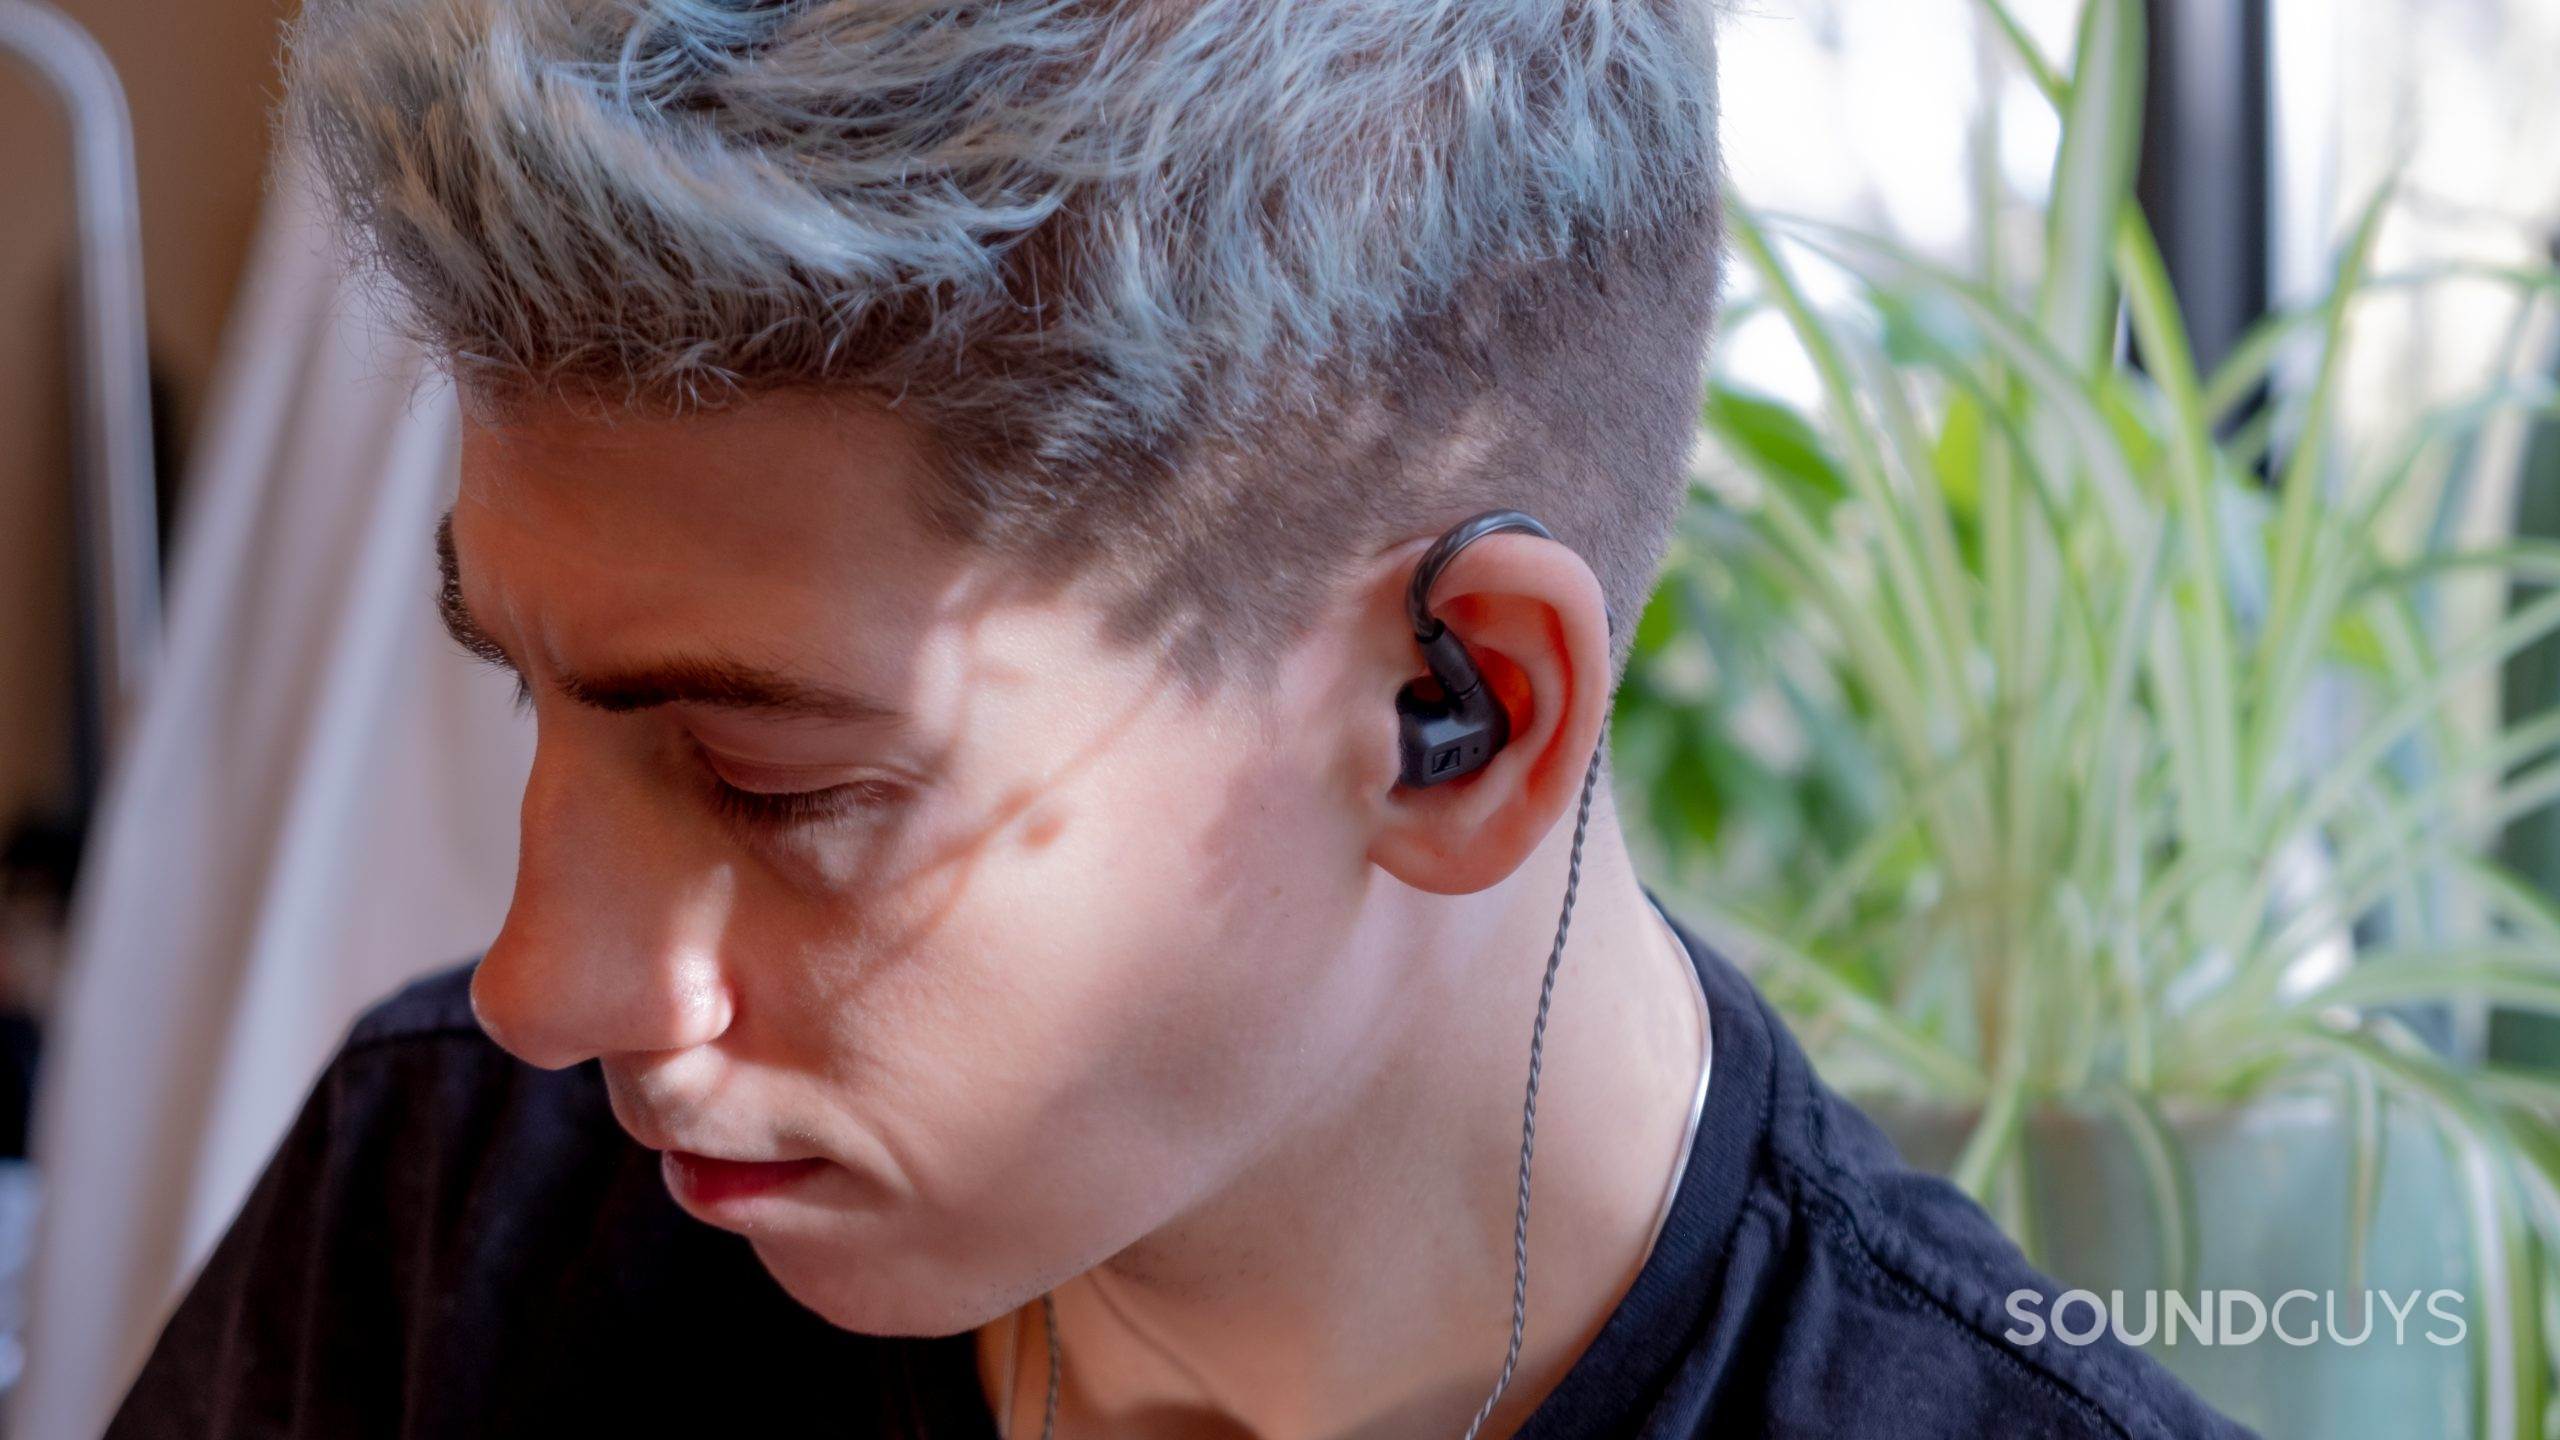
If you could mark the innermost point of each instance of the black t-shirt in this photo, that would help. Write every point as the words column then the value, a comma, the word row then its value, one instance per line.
column 452, row 1243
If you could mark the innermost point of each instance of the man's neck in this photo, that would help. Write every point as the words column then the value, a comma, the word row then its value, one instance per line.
column 1357, row 1280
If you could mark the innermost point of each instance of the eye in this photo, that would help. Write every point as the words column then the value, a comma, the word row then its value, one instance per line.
column 765, row 802
column 789, row 809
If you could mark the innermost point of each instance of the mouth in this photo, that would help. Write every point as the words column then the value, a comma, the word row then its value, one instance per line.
column 708, row 1183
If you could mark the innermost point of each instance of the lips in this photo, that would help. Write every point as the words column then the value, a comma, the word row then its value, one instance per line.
column 707, row 1182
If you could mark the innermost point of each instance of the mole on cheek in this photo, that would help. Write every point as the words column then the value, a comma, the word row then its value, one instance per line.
column 1042, row 826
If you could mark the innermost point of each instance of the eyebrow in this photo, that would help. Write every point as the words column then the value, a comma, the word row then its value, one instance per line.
column 716, row 681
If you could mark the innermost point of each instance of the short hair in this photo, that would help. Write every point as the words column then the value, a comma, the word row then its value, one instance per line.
column 1221, row 290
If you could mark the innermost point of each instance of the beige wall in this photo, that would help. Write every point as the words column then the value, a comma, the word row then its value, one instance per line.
column 199, row 75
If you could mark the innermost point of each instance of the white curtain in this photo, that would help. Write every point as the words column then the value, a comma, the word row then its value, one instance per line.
column 318, row 802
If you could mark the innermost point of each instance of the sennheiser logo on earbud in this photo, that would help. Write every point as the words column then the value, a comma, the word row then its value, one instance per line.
column 1443, row 761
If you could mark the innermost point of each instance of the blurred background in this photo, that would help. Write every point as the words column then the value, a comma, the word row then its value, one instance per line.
column 2103, row 687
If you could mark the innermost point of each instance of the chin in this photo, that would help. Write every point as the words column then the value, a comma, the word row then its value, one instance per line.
column 860, row 1294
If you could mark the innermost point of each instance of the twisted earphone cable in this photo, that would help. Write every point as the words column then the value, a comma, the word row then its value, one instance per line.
column 1049, row 1410
column 1529, row 1106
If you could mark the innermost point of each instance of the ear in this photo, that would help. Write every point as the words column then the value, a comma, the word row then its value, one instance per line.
column 1532, row 614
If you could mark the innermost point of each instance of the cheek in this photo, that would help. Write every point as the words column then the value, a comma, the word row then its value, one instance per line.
column 1193, row 935
column 1165, row 951
column 1082, row 1021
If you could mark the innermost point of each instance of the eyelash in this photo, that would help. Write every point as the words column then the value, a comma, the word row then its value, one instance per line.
column 784, row 809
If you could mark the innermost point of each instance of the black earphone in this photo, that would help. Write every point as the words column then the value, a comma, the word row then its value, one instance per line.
column 1449, row 722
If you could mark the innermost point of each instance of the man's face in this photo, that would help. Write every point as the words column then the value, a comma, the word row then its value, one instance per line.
column 847, row 846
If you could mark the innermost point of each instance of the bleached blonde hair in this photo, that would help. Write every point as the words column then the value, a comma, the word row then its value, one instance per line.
column 1143, row 269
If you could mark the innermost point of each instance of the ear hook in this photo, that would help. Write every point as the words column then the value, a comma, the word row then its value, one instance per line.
column 1426, row 571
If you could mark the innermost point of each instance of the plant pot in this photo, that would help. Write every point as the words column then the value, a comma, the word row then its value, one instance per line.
column 2271, row 1187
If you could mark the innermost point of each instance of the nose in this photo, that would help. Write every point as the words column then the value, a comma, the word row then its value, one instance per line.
column 611, row 944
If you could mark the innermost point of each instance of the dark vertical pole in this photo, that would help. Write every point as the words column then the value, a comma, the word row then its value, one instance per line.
column 2203, row 175
column 2530, row 686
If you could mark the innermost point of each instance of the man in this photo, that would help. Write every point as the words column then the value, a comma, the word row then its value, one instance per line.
column 947, row 478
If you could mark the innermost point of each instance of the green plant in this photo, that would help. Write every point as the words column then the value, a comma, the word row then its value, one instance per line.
column 2117, row 775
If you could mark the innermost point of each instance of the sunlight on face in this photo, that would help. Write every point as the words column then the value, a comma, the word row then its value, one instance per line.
column 843, row 844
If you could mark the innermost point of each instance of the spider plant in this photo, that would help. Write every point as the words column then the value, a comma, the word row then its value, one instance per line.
column 2110, row 770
